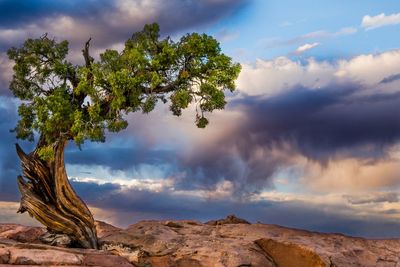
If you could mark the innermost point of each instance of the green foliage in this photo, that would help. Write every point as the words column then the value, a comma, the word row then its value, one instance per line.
column 201, row 122
column 46, row 153
column 180, row 100
column 80, row 103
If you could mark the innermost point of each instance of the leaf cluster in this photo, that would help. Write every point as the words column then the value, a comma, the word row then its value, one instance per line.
column 62, row 100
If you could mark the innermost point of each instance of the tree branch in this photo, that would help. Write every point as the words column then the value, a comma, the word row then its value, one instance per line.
column 88, row 63
column 165, row 89
column 86, row 55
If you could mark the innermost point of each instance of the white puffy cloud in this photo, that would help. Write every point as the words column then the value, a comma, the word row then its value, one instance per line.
column 373, row 22
column 270, row 77
column 306, row 47
column 370, row 69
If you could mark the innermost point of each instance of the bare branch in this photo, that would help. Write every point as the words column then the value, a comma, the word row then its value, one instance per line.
column 86, row 55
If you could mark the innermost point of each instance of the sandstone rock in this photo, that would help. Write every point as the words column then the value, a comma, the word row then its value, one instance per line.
column 230, row 219
column 104, row 229
column 250, row 245
column 299, row 256
column 21, row 233
column 4, row 255
column 16, row 253
column 193, row 244
column 173, row 224
column 105, row 260
column 43, row 257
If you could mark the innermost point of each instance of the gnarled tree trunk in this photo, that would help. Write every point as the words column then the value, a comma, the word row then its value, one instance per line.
column 48, row 196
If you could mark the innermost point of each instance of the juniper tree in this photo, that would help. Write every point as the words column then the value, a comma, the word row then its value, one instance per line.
column 63, row 102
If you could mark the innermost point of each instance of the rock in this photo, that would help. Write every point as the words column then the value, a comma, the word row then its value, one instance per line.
column 190, row 243
column 57, row 240
column 16, row 253
column 104, row 229
column 299, row 256
column 230, row 219
column 173, row 224
column 249, row 245
column 21, row 233
column 43, row 257
column 4, row 255
column 105, row 260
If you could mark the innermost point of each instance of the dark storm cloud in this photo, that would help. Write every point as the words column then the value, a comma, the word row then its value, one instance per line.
column 376, row 197
column 107, row 22
column 9, row 166
column 19, row 12
column 324, row 124
column 391, row 78
column 321, row 123
column 249, row 174
column 131, row 205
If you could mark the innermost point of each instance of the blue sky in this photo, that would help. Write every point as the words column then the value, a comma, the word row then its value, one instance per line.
column 267, row 29
column 310, row 138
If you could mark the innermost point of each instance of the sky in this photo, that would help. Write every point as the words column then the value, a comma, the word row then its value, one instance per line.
column 310, row 139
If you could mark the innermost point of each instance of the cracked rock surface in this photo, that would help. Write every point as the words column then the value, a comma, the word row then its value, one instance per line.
column 231, row 242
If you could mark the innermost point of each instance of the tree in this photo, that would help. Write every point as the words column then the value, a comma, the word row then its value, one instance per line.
column 62, row 102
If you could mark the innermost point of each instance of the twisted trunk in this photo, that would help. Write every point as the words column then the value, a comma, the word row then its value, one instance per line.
column 48, row 196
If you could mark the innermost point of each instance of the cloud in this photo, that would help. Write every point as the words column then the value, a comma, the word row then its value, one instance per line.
column 124, row 205
column 376, row 197
column 353, row 175
column 5, row 74
column 14, row 13
column 8, row 211
column 303, row 48
column 108, row 22
column 311, row 36
column 370, row 69
column 271, row 77
column 373, row 22
column 322, row 124
column 226, row 35
column 391, row 78
column 9, row 163
column 328, row 34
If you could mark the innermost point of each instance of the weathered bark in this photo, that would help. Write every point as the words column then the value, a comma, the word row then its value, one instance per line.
column 48, row 196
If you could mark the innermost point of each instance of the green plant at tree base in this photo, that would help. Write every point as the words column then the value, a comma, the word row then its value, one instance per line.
column 63, row 102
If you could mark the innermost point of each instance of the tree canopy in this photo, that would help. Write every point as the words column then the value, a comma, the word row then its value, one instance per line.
column 81, row 102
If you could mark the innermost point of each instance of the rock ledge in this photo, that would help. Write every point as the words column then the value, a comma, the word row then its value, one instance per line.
column 230, row 242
